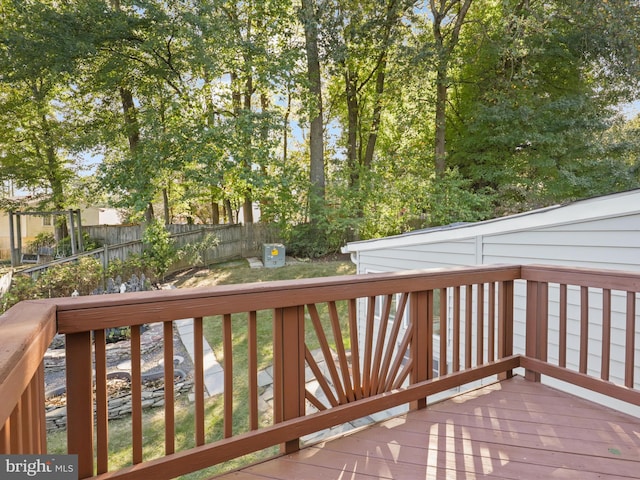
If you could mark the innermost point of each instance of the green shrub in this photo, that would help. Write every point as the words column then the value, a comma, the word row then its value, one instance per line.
column 43, row 239
column 133, row 265
column 194, row 253
column 60, row 280
column 23, row 287
column 88, row 243
column 159, row 251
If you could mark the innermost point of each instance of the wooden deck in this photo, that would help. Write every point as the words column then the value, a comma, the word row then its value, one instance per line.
column 515, row 429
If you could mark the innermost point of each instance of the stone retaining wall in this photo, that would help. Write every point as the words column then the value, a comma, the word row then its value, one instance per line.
column 119, row 404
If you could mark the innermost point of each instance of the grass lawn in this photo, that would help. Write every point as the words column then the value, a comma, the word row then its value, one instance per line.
column 153, row 425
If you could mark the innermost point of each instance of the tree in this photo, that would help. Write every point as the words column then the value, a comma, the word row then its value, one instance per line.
column 309, row 19
column 448, row 19
column 38, row 56
column 533, row 103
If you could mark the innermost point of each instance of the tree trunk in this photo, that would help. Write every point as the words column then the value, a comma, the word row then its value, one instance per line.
column 165, row 204
column 148, row 213
column 441, row 121
column 377, row 113
column 352, row 125
column 316, row 130
column 446, row 42
column 215, row 212
column 228, row 211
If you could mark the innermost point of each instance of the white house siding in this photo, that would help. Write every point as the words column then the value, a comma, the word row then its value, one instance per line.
column 408, row 258
column 597, row 233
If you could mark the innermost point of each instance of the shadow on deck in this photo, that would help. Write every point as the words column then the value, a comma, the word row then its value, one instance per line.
column 512, row 429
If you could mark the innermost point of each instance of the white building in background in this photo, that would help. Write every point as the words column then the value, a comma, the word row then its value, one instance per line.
column 601, row 232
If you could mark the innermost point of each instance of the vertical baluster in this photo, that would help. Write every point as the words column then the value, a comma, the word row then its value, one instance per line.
column 228, row 375
column 36, row 413
column 102, row 405
column 606, row 334
column 468, row 326
column 355, row 348
column 429, row 334
column 456, row 329
column 136, row 395
column 443, row 332
column 382, row 333
column 584, row 328
column 342, row 355
column 39, row 407
column 368, row 343
column 326, row 352
column 198, row 373
column 397, row 376
column 16, row 428
column 480, row 324
column 491, row 317
column 392, row 349
column 169, row 400
column 80, row 401
column 252, row 345
column 630, row 340
column 562, row 344
column 543, row 321
column 28, row 419
column 5, row 438
column 25, row 419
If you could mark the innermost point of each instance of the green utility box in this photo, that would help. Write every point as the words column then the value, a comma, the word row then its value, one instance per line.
column 273, row 255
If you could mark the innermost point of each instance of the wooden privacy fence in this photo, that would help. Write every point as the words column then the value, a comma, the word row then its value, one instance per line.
column 116, row 234
column 233, row 241
column 331, row 315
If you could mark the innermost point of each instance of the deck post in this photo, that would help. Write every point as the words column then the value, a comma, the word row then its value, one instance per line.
column 80, row 401
column 421, row 313
column 536, row 324
column 288, row 368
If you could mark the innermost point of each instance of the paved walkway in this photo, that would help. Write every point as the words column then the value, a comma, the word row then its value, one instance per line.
column 213, row 373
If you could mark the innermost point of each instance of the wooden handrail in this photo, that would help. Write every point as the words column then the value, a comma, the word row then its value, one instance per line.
column 27, row 331
column 104, row 311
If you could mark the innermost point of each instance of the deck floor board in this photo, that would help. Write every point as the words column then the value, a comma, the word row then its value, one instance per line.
column 512, row 430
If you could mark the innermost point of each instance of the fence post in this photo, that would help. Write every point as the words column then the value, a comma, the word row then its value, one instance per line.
column 12, row 246
column 288, row 368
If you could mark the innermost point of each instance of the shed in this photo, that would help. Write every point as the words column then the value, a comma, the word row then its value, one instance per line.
column 600, row 232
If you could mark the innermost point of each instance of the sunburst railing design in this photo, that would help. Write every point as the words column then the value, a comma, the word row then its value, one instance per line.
column 351, row 374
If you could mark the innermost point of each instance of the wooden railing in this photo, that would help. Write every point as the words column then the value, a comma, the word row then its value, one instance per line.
column 341, row 348
column 615, row 335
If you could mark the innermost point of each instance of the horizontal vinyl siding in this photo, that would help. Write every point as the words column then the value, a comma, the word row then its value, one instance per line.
column 439, row 255
column 606, row 243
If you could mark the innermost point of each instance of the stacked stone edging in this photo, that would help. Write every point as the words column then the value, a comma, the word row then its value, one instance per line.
column 120, row 404
column 118, row 377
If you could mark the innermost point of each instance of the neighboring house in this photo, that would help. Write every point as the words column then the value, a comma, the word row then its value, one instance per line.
column 32, row 225
column 601, row 232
